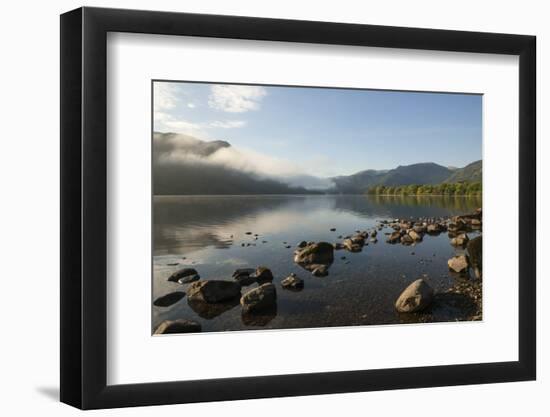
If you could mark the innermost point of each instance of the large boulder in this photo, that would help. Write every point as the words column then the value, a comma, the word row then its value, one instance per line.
column 184, row 275
column 459, row 264
column 259, row 299
column 416, row 297
column 213, row 291
column 475, row 250
column 169, row 299
column 315, row 253
column 178, row 326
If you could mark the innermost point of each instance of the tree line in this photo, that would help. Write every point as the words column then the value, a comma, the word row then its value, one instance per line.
column 459, row 188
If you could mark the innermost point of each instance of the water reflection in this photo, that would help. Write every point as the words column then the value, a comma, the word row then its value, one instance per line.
column 210, row 233
column 259, row 319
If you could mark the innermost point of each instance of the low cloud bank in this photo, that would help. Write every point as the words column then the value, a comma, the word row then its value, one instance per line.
column 173, row 150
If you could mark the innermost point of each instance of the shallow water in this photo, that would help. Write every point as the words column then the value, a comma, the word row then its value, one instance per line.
column 207, row 233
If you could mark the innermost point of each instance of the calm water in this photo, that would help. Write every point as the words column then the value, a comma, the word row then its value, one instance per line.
column 207, row 232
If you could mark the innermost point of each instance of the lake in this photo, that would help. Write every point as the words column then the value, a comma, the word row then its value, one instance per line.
column 208, row 233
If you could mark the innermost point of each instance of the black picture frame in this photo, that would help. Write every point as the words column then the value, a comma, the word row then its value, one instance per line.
column 84, row 207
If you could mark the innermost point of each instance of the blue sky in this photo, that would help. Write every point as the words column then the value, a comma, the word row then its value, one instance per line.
column 326, row 132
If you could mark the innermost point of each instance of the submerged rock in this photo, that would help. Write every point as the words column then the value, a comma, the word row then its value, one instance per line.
column 475, row 251
column 292, row 282
column 459, row 264
column 169, row 299
column 213, row 291
column 178, row 326
column 182, row 273
column 259, row 299
column 416, row 297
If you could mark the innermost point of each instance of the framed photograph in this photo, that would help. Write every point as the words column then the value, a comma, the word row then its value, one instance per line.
column 258, row 207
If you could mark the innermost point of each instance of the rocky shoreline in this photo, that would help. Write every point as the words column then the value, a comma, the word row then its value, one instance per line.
column 417, row 302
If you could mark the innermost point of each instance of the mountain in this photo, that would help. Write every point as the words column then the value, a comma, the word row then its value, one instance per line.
column 422, row 173
column 357, row 183
column 471, row 172
column 184, row 165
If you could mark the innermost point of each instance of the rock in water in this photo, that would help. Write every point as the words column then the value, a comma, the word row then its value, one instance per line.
column 434, row 228
column 407, row 240
column 263, row 275
column 213, row 291
column 169, row 299
column 475, row 251
column 394, row 237
column 417, row 237
column 245, row 280
column 354, row 245
column 242, row 271
column 461, row 240
column 188, row 279
column 319, row 270
column 259, row 299
column 292, row 282
column 244, row 276
column 178, row 326
column 182, row 273
column 459, row 264
column 416, row 297
column 315, row 253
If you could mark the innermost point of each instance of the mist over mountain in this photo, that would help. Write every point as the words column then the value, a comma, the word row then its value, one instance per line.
column 183, row 165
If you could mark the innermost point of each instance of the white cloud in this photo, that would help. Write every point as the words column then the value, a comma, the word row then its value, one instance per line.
column 228, row 124
column 235, row 98
column 164, row 97
column 191, row 105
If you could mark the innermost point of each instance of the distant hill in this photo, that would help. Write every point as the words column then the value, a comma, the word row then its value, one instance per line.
column 471, row 172
column 183, row 165
column 422, row 173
